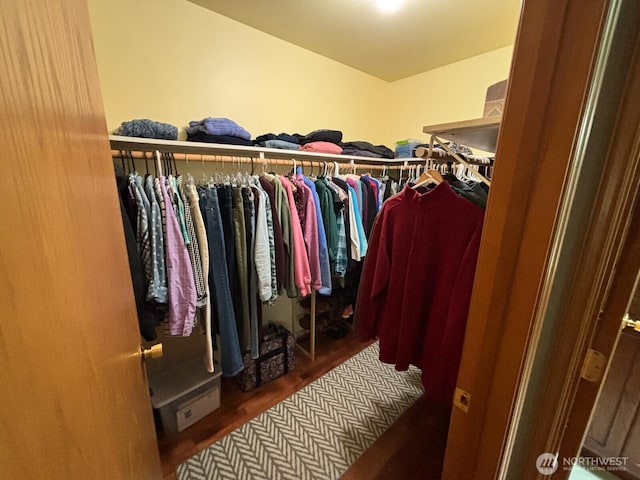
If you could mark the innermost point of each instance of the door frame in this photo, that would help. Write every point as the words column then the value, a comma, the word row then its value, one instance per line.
column 547, row 102
column 599, row 297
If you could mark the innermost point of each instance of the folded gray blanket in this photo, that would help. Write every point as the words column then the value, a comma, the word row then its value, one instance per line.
column 146, row 128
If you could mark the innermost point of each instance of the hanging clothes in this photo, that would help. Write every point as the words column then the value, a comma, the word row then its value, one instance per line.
column 201, row 236
column 250, row 225
column 263, row 246
column 143, row 211
column 341, row 206
column 323, row 252
column 279, row 247
column 157, row 290
column 416, row 284
column 243, row 318
column 300, row 260
column 231, row 356
column 147, row 320
column 225, row 248
column 269, row 230
column 285, row 217
column 193, row 246
column 182, row 289
column 310, row 234
column 328, row 215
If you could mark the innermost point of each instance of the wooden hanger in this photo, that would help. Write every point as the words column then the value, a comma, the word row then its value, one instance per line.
column 425, row 179
column 436, row 175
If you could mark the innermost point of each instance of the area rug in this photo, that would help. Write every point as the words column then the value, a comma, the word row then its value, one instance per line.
column 316, row 433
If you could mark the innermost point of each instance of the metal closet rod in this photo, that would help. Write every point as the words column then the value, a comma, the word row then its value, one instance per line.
column 257, row 162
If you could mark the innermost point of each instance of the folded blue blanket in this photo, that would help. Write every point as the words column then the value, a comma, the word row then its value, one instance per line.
column 218, row 126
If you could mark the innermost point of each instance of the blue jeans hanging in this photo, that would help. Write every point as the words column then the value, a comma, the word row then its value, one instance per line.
column 230, row 355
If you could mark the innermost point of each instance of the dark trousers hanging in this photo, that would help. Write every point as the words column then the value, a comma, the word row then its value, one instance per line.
column 250, row 225
column 225, row 200
column 242, row 262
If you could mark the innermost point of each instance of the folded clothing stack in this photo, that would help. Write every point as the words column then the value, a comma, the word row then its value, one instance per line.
column 283, row 141
column 322, row 147
column 218, row 130
column 322, row 135
column 322, row 141
column 146, row 128
column 366, row 149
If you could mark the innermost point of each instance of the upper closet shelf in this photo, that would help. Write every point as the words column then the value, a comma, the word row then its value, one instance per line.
column 175, row 146
column 479, row 133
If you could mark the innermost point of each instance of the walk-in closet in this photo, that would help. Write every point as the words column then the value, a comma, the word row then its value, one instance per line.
column 357, row 240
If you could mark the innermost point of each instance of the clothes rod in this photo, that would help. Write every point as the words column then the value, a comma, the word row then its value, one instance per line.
column 175, row 146
column 439, row 154
column 458, row 158
column 256, row 162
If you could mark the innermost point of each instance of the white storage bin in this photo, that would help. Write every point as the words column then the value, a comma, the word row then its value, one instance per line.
column 184, row 394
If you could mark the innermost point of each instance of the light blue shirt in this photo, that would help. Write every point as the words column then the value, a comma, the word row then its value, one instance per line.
column 361, row 236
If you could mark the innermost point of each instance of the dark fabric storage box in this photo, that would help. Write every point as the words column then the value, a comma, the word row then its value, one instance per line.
column 277, row 358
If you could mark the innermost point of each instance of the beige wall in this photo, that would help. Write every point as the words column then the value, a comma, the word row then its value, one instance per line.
column 173, row 61
column 447, row 94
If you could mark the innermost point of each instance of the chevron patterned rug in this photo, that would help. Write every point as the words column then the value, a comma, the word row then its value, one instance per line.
column 316, row 433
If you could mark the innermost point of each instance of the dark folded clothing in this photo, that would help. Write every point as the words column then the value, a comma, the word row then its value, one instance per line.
column 285, row 137
column 331, row 136
column 146, row 128
column 226, row 139
column 381, row 150
column 260, row 139
column 360, row 153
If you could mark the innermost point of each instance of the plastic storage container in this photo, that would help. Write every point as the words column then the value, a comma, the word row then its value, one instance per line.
column 184, row 394
column 406, row 148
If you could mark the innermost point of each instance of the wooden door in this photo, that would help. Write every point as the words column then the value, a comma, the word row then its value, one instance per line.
column 615, row 424
column 74, row 399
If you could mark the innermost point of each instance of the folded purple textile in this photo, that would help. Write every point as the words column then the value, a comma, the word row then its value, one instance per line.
column 218, row 126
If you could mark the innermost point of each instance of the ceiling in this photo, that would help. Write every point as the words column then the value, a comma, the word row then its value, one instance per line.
column 422, row 35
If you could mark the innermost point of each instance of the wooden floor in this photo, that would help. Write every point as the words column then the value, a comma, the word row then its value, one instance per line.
column 413, row 447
